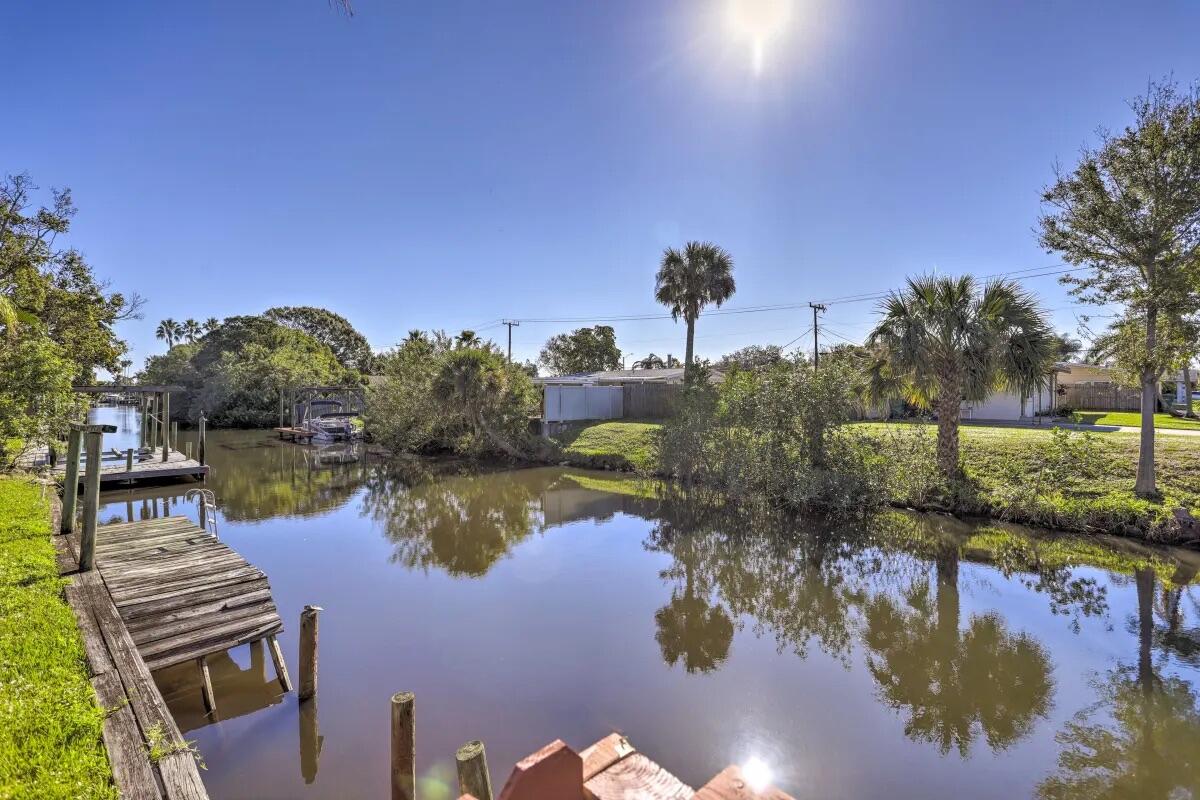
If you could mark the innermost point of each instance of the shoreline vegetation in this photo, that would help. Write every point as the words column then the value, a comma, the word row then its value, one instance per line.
column 1048, row 478
column 50, row 723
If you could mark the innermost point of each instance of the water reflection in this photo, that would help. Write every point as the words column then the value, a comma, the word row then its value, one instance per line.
column 1068, row 666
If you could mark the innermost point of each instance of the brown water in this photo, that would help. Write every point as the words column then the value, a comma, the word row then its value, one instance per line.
column 921, row 657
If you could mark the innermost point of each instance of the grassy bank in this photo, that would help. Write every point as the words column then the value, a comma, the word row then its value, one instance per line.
column 1016, row 474
column 50, row 725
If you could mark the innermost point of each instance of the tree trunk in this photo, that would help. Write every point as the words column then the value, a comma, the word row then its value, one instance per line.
column 1145, row 486
column 949, row 410
column 947, row 593
column 1187, row 388
column 691, row 339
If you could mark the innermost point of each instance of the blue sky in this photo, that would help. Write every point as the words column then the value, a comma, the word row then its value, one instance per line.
column 442, row 165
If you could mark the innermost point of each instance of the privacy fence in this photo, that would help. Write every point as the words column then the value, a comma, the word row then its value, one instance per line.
column 1100, row 396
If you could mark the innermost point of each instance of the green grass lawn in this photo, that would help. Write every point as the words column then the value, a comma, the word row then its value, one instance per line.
column 1133, row 419
column 1000, row 462
column 50, row 725
column 618, row 444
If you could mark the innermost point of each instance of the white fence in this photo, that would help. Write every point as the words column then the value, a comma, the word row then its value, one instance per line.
column 567, row 403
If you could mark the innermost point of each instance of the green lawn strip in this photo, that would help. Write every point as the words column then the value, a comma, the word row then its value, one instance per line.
column 50, row 724
column 618, row 444
column 1133, row 419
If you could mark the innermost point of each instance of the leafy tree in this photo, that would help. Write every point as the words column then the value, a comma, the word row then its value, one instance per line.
column 211, row 324
column 1130, row 213
column 751, row 357
column 468, row 339
column 942, row 340
column 332, row 330
column 689, row 280
column 36, row 400
column 168, row 331
column 583, row 350
column 437, row 393
column 191, row 330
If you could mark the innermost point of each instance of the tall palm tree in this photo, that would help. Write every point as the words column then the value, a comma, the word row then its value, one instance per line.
column 167, row 330
column 943, row 340
column 191, row 330
column 688, row 281
column 211, row 324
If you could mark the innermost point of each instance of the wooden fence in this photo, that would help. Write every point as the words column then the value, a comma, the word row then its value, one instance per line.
column 1100, row 397
column 651, row 400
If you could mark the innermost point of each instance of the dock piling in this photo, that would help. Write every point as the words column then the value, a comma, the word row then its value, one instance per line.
column 129, row 460
column 71, row 481
column 404, row 747
column 175, row 436
column 200, row 444
column 165, row 413
column 91, row 499
column 308, row 652
column 473, row 777
column 210, row 700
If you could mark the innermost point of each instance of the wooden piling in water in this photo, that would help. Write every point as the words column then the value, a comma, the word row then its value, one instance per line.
column 71, row 481
column 200, row 446
column 187, row 449
column 210, row 700
column 166, row 425
column 404, row 747
column 473, row 777
column 91, row 500
column 175, row 436
column 129, row 460
column 308, row 652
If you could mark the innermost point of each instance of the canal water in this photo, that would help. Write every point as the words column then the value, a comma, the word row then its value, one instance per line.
column 911, row 657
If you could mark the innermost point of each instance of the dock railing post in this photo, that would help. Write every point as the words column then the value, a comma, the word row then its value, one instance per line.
column 166, row 425
column 473, row 777
column 71, row 480
column 129, row 460
column 404, row 747
column 175, row 436
column 91, row 500
column 308, row 652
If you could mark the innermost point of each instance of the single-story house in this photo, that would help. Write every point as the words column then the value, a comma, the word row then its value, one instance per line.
column 622, row 377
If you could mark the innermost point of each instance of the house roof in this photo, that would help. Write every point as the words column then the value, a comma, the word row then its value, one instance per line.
column 666, row 375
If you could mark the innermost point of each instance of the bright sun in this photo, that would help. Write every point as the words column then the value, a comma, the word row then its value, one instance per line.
column 757, row 22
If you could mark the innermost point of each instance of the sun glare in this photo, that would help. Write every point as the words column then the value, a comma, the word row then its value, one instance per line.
column 757, row 774
column 757, row 22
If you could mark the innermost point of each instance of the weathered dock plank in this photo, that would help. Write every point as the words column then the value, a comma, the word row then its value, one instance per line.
column 150, row 466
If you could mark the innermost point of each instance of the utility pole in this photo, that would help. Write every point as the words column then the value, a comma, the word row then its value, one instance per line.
column 511, row 323
column 816, row 308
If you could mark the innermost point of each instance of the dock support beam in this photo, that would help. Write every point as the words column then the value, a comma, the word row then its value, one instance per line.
column 91, row 499
column 71, row 481
column 473, row 777
column 280, row 665
column 308, row 652
column 210, row 700
column 404, row 747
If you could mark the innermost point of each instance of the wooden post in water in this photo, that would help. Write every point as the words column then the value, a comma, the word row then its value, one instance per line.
column 404, row 747
column 200, row 448
column 308, row 652
column 129, row 460
column 175, row 436
column 187, row 449
column 71, row 480
column 473, row 777
column 210, row 700
column 91, row 498
column 165, row 412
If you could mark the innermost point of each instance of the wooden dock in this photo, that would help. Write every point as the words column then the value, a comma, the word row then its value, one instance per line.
column 164, row 592
column 294, row 434
column 177, row 465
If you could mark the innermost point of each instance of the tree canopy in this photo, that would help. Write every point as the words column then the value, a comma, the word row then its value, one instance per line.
column 332, row 330
column 583, row 350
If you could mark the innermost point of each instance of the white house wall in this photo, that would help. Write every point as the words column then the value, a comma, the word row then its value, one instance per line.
column 570, row 403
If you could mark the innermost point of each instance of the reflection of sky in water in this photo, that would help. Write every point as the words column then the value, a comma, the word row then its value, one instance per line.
column 527, row 606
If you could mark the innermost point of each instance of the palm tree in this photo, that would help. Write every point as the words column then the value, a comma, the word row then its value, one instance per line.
column 942, row 340
column 467, row 339
column 167, row 330
column 649, row 362
column 211, row 324
column 191, row 330
column 1066, row 347
column 688, row 281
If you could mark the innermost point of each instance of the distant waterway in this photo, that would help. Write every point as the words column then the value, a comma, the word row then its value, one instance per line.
column 912, row 657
